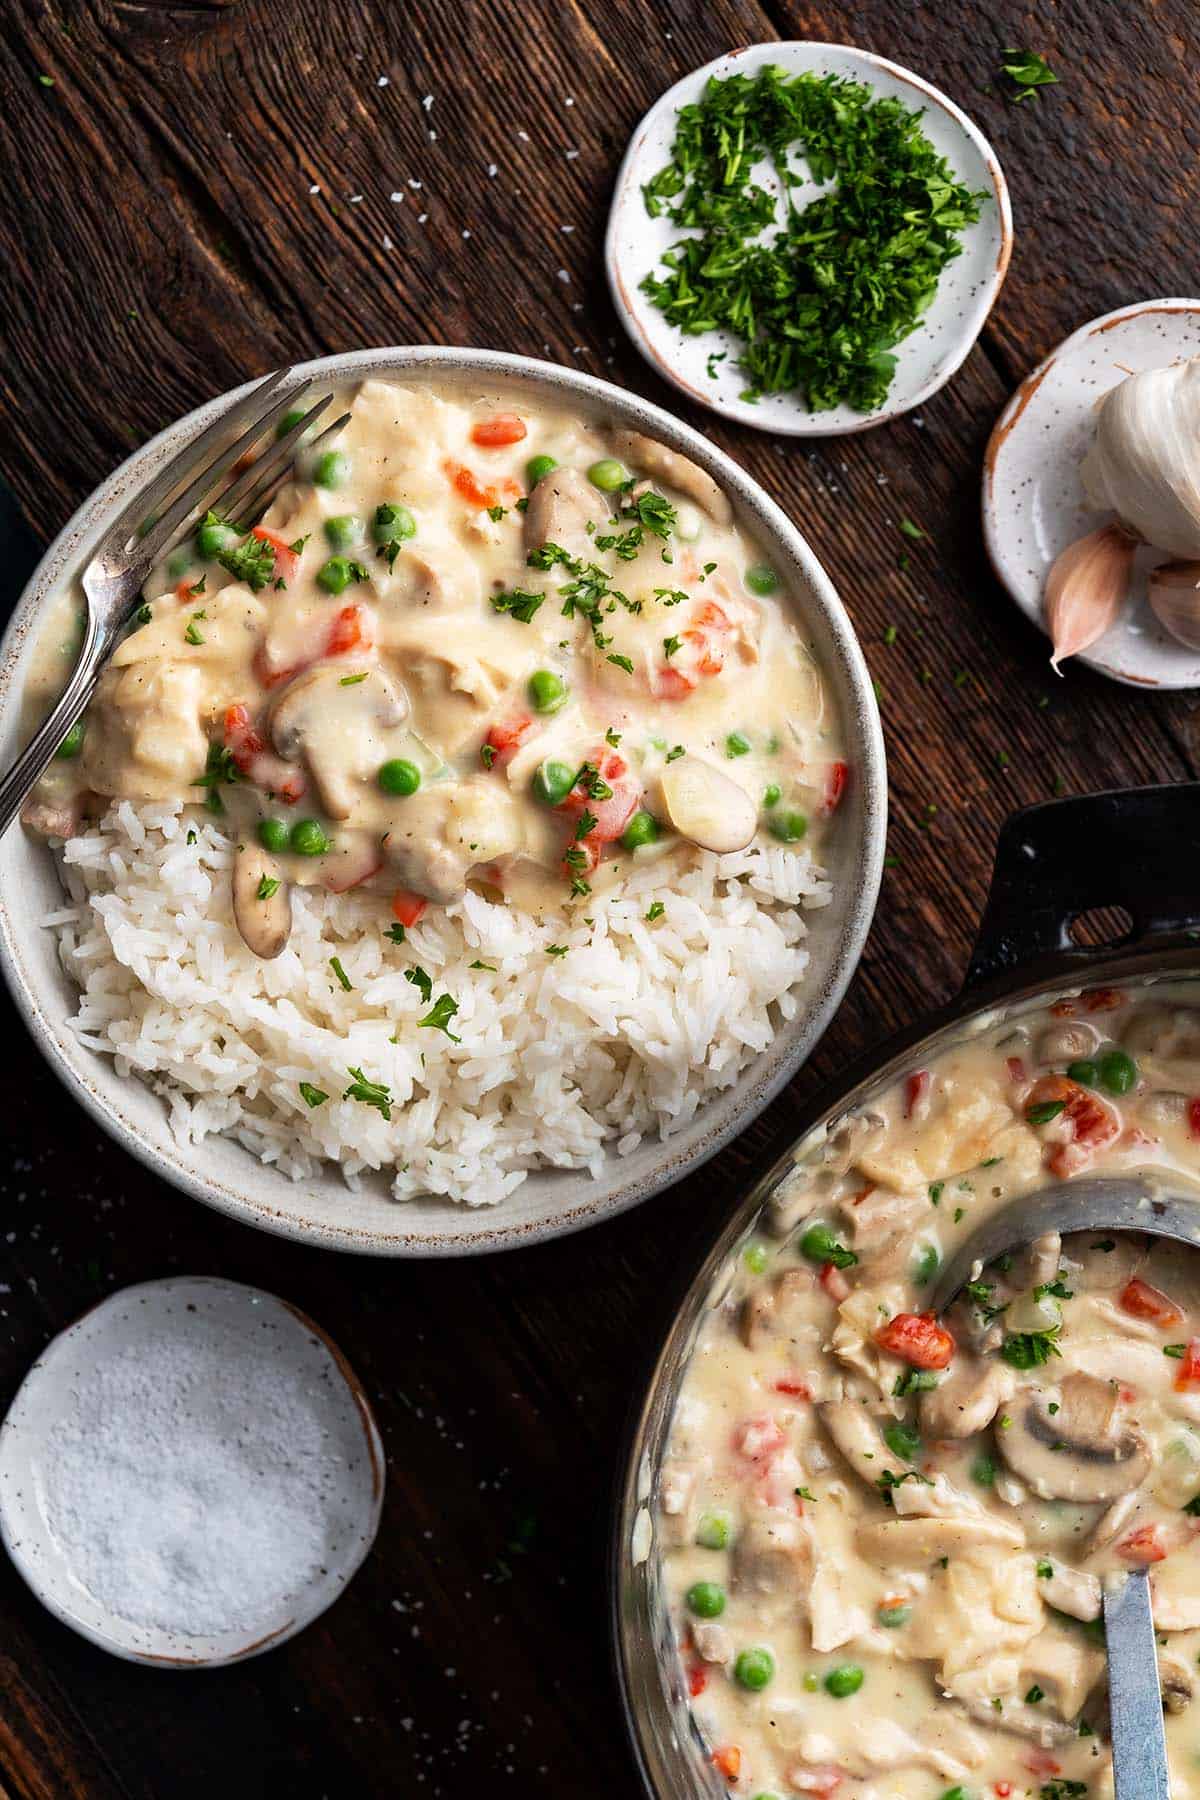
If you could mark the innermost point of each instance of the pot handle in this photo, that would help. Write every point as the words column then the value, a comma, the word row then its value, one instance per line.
column 1137, row 848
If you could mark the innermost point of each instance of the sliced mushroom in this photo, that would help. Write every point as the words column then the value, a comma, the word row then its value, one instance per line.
column 50, row 818
column 912, row 1542
column 673, row 470
column 561, row 507
column 856, row 1432
column 1024, row 1721
column 772, row 1308
column 1073, row 1591
column 773, row 1557
column 968, row 1397
column 856, row 1135
column 336, row 728
column 707, row 807
column 1176, row 1681
column 262, row 904
column 1067, row 1043
column 1082, row 1451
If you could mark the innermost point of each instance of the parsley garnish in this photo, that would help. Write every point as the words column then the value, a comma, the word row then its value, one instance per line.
column 1027, row 71
column 444, row 1009
column 396, row 933
column 671, row 645
column 312, row 1096
column 335, row 963
column 557, row 949
column 622, row 662
column 1045, row 1570
column 1034, row 1695
column 914, row 1381
column 421, row 981
column 496, row 513
column 353, row 680
column 371, row 1093
column 193, row 634
column 819, row 305
column 1029, row 1349
column 887, row 1481
column 676, row 753
column 655, row 910
column 266, row 887
column 487, row 754
column 490, row 967
column 587, row 822
column 251, row 561
column 1044, row 1111
column 143, row 615
column 219, row 767
column 519, row 603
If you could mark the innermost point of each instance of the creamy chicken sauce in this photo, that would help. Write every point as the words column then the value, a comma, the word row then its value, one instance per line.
column 884, row 1535
column 476, row 640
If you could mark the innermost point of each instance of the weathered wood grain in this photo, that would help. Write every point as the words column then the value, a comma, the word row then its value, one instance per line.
column 207, row 190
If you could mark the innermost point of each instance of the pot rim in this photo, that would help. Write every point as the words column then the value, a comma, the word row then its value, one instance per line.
column 256, row 1194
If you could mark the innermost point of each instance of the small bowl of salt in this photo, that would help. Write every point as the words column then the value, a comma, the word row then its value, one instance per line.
column 190, row 1473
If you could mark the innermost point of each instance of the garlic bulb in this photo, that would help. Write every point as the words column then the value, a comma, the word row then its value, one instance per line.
column 1174, row 595
column 1144, row 463
column 1085, row 589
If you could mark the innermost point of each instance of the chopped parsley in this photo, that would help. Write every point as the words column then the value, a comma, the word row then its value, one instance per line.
column 193, row 634
column 671, row 645
column 219, row 767
column 251, row 561
column 676, row 753
column 421, row 981
column 267, row 886
column 335, row 963
column 819, row 305
column 487, row 755
column 1034, row 1695
column 557, row 949
column 587, row 822
column 887, row 1482
column 397, row 933
column 312, row 1096
column 496, row 513
column 1044, row 1111
column 622, row 662
column 1029, row 1349
column 1045, row 1570
column 936, row 1190
column 1177, row 1350
column 143, row 615
column 1028, row 72
column 370, row 1093
column 612, row 737
column 490, row 967
column 519, row 603
column 1063, row 1790
column 655, row 911
column 911, row 529
column 353, row 680
column 438, row 1019
column 1193, row 1506
column 914, row 1381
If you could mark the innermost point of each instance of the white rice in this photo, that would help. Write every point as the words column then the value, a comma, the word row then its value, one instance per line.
column 561, row 1059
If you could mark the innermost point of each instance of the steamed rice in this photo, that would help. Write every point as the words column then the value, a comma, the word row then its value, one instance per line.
column 561, row 1059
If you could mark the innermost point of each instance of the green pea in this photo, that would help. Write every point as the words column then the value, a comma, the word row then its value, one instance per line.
column 179, row 562
column 754, row 1668
column 641, row 829
column 788, row 827
column 756, row 1257
column 737, row 744
column 820, row 1245
column 273, row 834
column 399, row 777
column 344, row 531
column 307, row 839
column 902, row 1441
column 336, row 575
column 331, row 469
column 892, row 1617
column 1118, row 1071
column 214, row 536
column 608, row 474
column 810, row 1684
column 761, row 579
column 536, row 468
column 956, row 1793
column 772, row 795
column 1086, row 1072
column 72, row 744
column 706, row 1599
column 712, row 1533
column 393, row 523
column 552, row 782
column 289, row 422
column 547, row 691
column 843, row 1681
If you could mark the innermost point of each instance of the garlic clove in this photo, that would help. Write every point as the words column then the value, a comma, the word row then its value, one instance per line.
column 1174, row 594
column 1086, row 588
column 1142, row 463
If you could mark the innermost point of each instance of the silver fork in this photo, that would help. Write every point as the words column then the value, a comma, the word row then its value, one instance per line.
column 112, row 581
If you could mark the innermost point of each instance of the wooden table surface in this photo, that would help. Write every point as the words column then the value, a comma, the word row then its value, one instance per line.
column 206, row 191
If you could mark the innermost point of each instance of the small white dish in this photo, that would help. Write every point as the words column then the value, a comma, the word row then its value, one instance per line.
column 966, row 292
column 1033, row 499
column 149, row 1322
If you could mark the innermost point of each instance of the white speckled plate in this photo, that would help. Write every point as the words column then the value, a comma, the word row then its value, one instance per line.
column 966, row 293
column 1033, row 500
column 229, row 1321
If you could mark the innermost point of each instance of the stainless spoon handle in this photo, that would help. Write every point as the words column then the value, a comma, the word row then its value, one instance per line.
column 1139, row 1743
column 16, row 783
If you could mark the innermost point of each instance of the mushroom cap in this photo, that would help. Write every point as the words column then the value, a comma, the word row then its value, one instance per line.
column 1083, row 1451
column 706, row 806
column 265, row 922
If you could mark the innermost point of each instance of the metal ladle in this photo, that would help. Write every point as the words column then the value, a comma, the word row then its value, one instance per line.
column 1101, row 1203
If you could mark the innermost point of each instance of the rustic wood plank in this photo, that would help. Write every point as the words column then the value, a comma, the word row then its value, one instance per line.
column 162, row 242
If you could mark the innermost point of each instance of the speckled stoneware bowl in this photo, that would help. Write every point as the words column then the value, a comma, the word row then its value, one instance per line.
column 966, row 292
column 144, row 1320
column 324, row 1211
column 1033, row 499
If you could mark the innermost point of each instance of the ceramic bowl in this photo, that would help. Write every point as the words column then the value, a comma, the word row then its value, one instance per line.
column 966, row 292
column 232, row 1322
column 1033, row 499
column 324, row 1211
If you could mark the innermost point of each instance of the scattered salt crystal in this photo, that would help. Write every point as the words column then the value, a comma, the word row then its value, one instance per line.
column 314, row 189
column 397, row 197
column 382, row 81
column 566, row 230
column 492, row 168
column 524, row 136
column 427, row 102
column 571, row 155
column 466, row 234
column 563, row 276
column 354, row 199
column 413, row 183
column 421, row 218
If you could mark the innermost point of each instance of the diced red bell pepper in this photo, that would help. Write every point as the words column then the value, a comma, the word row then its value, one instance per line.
column 258, row 764
column 1103, row 999
column 798, row 1390
column 287, row 560
column 505, row 739
column 501, row 429
column 1142, row 1301
column 727, row 1761
column 1189, row 1367
column 835, row 785
column 834, row 1282
column 701, row 653
column 408, row 907
column 1142, row 1546
column 916, row 1093
column 1194, row 1117
column 917, row 1339
column 759, row 1436
column 1093, row 1125
column 469, row 487
column 697, row 1680
column 612, row 813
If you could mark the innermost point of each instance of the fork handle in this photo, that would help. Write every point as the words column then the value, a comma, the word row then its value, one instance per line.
column 15, row 786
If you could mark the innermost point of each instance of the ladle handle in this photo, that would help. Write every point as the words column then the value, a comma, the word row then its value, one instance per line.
column 1134, row 848
column 1139, row 1742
